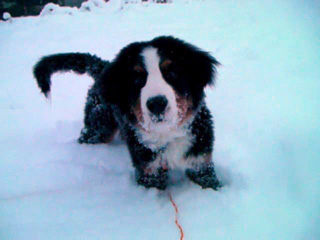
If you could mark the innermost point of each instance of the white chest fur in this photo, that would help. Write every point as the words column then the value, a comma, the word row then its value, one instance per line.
column 171, row 153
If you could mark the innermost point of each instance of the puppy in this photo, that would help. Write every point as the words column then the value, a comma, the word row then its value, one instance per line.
column 153, row 93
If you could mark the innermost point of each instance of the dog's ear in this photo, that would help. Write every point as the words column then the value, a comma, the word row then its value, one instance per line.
column 115, row 83
column 201, row 68
column 200, row 71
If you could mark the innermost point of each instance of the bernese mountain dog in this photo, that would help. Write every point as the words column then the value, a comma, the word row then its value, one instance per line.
column 153, row 93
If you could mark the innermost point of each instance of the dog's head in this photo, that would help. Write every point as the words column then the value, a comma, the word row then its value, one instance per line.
column 158, row 84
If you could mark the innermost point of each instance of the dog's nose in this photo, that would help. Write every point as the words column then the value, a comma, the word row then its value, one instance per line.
column 157, row 104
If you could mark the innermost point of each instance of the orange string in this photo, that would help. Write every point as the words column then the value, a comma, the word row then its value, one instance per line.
column 176, row 217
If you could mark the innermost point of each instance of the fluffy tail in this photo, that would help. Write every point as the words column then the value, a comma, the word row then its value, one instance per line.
column 78, row 62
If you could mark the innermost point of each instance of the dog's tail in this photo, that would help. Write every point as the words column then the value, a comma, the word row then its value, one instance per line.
column 78, row 62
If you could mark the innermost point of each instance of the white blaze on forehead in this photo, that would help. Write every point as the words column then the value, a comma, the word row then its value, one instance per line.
column 155, row 86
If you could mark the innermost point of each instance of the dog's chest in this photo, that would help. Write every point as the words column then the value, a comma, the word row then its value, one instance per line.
column 172, row 156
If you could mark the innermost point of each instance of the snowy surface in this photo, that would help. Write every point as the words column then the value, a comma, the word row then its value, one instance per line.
column 266, row 107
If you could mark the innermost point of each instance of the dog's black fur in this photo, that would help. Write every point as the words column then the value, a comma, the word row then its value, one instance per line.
column 116, row 91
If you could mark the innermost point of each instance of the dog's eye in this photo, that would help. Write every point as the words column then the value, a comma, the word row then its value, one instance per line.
column 171, row 75
column 140, row 76
column 169, row 70
column 138, row 69
column 140, row 81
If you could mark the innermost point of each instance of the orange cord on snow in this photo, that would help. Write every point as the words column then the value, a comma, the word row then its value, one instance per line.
column 176, row 220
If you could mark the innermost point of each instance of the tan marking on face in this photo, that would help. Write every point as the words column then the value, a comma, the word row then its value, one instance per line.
column 164, row 65
column 139, row 69
column 184, row 105
column 138, row 112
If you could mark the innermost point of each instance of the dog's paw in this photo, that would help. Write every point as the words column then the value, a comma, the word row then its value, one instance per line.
column 205, row 177
column 90, row 136
column 155, row 180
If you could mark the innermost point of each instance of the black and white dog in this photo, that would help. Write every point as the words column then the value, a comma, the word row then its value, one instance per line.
column 153, row 92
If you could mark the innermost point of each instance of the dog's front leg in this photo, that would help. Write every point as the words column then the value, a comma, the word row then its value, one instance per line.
column 199, row 156
column 150, row 171
column 153, row 174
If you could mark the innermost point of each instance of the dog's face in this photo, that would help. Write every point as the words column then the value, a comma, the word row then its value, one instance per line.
column 158, row 84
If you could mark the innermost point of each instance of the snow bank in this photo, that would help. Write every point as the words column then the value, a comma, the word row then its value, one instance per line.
column 54, row 9
column 89, row 6
column 7, row 17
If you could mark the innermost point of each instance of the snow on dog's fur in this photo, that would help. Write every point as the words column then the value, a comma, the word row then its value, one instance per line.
column 153, row 92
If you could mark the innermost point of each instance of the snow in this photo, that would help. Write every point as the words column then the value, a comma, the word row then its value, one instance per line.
column 7, row 17
column 265, row 104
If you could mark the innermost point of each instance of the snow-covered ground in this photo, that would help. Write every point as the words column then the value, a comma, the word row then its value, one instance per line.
column 266, row 107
